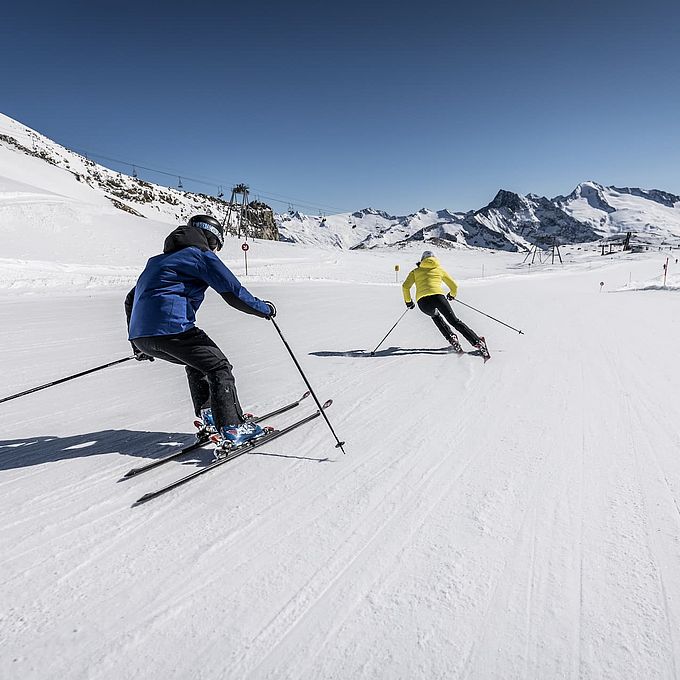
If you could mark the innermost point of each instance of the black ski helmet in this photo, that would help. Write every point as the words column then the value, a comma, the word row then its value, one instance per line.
column 209, row 224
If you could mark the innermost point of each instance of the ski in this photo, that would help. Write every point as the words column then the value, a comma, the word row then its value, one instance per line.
column 234, row 453
column 203, row 441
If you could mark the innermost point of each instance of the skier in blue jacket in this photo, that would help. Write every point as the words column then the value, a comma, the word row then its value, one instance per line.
column 161, row 312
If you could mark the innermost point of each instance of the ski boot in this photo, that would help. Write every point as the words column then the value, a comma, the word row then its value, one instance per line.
column 233, row 436
column 454, row 342
column 483, row 349
column 205, row 425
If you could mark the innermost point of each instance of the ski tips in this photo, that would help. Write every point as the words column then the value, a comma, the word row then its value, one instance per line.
column 326, row 404
column 305, row 395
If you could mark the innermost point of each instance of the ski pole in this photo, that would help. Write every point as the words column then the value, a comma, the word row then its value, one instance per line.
column 388, row 332
column 340, row 444
column 489, row 316
column 61, row 380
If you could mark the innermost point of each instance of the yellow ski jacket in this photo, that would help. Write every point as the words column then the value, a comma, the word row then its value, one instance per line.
column 428, row 277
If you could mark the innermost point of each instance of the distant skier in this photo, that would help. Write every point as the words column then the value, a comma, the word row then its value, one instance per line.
column 428, row 277
column 161, row 311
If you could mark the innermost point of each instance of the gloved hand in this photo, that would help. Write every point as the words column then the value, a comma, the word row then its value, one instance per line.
column 272, row 312
column 450, row 297
column 411, row 304
column 140, row 356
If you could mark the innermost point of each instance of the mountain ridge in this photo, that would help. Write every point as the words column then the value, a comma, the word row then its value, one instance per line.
column 510, row 221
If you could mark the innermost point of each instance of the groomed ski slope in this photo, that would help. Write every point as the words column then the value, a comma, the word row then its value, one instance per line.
column 519, row 519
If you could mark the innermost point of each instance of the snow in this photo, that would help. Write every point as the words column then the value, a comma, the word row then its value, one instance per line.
column 514, row 519
column 626, row 213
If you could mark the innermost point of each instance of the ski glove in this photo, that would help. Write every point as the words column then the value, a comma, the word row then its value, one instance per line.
column 140, row 356
column 272, row 312
column 411, row 304
column 450, row 297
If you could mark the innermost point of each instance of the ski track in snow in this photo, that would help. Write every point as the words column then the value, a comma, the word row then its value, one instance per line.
column 515, row 519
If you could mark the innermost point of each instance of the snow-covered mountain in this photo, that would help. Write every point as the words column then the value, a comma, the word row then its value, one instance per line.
column 652, row 214
column 46, row 189
column 509, row 222
column 75, row 177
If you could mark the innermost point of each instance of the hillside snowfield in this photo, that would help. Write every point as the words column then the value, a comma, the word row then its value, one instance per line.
column 514, row 519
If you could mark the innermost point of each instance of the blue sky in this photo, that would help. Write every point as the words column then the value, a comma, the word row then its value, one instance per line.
column 330, row 108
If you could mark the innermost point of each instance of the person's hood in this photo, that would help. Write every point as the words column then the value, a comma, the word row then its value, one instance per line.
column 429, row 263
column 184, row 237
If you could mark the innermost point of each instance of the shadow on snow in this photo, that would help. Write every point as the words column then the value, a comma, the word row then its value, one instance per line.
column 389, row 352
column 27, row 451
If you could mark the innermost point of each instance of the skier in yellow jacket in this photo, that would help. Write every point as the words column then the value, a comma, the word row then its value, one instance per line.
column 428, row 277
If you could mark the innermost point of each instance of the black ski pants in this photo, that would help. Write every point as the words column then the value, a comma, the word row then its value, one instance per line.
column 211, row 382
column 438, row 307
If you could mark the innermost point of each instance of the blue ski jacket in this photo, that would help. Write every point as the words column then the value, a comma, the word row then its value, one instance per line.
column 172, row 287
